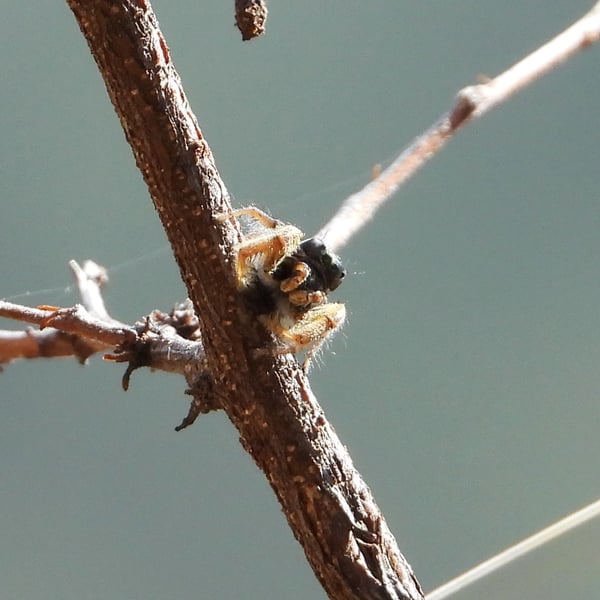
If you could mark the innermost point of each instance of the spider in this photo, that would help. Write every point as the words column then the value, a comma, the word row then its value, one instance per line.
column 286, row 280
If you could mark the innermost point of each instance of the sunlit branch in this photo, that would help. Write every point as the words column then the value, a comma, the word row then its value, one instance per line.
column 471, row 102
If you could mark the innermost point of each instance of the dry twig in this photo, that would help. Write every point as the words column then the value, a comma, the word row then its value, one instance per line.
column 471, row 102
column 80, row 331
column 167, row 342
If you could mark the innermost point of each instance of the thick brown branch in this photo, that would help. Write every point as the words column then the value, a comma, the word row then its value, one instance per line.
column 329, row 508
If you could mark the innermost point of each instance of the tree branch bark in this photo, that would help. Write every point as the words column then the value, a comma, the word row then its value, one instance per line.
column 328, row 506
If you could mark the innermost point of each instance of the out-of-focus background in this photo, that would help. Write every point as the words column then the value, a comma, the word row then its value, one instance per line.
column 465, row 383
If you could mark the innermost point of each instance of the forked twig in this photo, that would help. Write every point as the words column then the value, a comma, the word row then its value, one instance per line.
column 471, row 102
column 79, row 331
column 169, row 342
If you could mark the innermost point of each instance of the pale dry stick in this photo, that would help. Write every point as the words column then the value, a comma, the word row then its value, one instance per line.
column 78, row 332
column 84, row 330
column 76, row 319
column 90, row 278
column 533, row 542
column 472, row 102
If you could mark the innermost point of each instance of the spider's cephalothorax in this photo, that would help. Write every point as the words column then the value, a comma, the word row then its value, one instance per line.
column 286, row 281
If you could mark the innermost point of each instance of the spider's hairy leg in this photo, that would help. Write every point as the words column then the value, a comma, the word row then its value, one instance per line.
column 311, row 331
column 270, row 247
column 255, row 213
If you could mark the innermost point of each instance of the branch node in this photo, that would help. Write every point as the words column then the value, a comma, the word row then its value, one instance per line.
column 467, row 101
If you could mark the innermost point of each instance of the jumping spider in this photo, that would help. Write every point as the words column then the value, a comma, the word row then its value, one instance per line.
column 286, row 281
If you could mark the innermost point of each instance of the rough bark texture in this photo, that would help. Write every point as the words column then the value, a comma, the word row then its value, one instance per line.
column 328, row 506
column 251, row 17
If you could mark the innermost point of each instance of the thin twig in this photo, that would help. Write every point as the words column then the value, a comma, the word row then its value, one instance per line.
column 76, row 320
column 472, row 102
column 167, row 342
column 89, row 321
column 90, row 278
column 72, row 339
column 50, row 343
column 529, row 544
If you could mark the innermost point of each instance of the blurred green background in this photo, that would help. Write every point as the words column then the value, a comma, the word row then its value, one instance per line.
column 465, row 383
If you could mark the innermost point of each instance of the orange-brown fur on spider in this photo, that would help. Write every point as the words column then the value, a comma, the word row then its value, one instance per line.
column 286, row 281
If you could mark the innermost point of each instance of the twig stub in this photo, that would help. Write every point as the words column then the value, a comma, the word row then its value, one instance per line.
column 251, row 18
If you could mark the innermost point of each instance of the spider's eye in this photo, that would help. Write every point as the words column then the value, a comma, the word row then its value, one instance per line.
column 325, row 263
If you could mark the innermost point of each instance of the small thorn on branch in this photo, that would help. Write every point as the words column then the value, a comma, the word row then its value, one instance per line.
column 204, row 400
